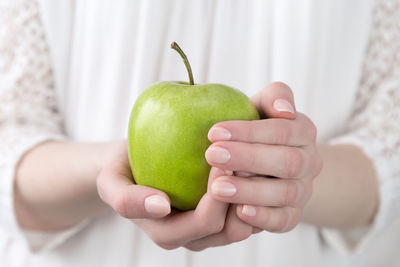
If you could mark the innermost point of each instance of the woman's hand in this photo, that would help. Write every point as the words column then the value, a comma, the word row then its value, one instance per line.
column 150, row 209
column 274, row 162
column 283, row 148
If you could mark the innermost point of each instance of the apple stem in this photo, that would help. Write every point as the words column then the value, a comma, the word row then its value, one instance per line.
column 176, row 47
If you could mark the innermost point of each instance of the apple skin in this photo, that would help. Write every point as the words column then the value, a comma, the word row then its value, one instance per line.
column 167, row 135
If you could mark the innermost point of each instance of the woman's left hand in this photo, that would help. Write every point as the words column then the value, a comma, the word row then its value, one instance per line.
column 271, row 164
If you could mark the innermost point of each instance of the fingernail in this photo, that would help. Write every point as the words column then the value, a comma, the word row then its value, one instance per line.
column 249, row 210
column 219, row 133
column 283, row 106
column 157, row 205
column 218, row 154
column 228, row 172
column 223, row 188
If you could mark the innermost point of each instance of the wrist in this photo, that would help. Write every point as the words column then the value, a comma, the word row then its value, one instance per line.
column 56, row 182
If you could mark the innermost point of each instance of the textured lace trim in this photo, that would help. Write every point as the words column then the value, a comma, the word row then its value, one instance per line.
column 377, row 109
column 28, row 108
column 26, row 81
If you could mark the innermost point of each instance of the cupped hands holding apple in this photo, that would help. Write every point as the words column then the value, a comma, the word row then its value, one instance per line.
column 261, row 176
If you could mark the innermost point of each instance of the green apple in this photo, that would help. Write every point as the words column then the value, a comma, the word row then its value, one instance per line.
column 167, row 134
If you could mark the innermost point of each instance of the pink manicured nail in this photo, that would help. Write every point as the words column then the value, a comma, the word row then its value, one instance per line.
column 157, row 205
column 218, row 154
column 223, row 188
column 219, row 133
column 283, row 105
column 249, row 210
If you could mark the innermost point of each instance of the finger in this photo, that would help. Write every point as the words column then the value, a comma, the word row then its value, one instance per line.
column 235, row 230
column 276, row 220
column 178, row 229
column 274, row 160
column 275, row 101
column 259, row 191
column 298, row 132
column 115, row 187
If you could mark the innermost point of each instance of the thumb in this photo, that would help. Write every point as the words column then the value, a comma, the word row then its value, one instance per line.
column 115, row 187
column 275, row 101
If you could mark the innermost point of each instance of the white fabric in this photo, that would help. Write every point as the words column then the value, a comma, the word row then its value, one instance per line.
column 104, row 53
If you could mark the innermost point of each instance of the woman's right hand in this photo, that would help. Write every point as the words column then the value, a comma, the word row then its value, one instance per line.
column 149, row 208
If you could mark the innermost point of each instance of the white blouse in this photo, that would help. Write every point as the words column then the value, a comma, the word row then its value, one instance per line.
column 73, row 69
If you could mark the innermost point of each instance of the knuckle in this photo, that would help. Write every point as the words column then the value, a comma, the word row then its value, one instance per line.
column 166, row 246
column 100, row 187
column 165, row 243
column 310, row 128
column 120, row 205
column 312, row 132
column 282, row 133
column 282, row 222
column 251, row 131
column 234, row 234
column 194, row 248
column 318, row 166
column 251, row 159
column 295, row 163
column 114, row 167
column 292, row 192
column 101, row 182
column 308, row 192
column 218, row 227
column 265, row 220
column 295, row 220
column 208, row 228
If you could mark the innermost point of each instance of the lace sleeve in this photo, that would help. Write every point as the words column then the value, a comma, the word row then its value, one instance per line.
column 375, row 122
column 28, row 110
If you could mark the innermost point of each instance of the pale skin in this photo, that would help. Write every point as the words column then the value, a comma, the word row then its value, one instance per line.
column 246, row 193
